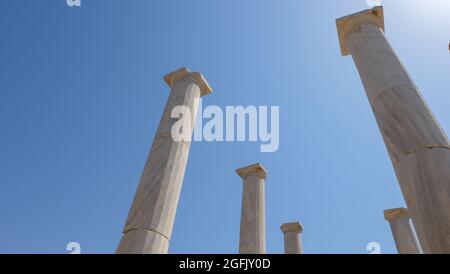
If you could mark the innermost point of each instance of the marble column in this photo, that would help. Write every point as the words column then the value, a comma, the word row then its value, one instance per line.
column 252, row 238
column 402, row 229
column 292, row 238
column 418, row 147
column 149, row 225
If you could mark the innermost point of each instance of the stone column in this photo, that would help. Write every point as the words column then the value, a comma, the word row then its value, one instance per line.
column 253, row 220
column 418, row 147
column 292, row 238
column 401, row 225
column 152, row 214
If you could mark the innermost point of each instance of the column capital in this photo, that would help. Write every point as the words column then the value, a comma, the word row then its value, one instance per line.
column 391, row 214
column 292, row 227
column 346, row 24
column 257, row 169
column 185, row 73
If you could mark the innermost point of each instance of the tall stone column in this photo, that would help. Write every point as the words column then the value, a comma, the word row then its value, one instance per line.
column 150, row 221
column 401, row 225
column 418, row 147
column 292, row 238
column 253, row 217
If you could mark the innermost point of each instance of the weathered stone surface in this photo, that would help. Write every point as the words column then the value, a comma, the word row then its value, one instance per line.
column 183, row 94
column 160, row 188
column 142, row 241
column 401, row 225
column 150, row 221
column 377, row 63
column 292, row 238
column 417, row 145
column 424, row 178
column 406, row 122
column 253, row 224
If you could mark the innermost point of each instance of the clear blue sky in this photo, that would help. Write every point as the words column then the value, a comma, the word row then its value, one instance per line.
column 81, row 94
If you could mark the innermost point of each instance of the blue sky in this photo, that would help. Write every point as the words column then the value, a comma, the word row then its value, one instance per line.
column 81, row 94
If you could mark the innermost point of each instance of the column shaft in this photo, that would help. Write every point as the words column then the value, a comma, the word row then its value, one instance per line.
column 292, row 243
column 150, row 221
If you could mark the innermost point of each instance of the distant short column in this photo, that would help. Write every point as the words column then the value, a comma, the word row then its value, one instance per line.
column 252, row 238
column 292, row 238
column 404, row 236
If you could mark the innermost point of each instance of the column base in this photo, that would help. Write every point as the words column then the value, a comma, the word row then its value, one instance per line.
column 141, row 241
